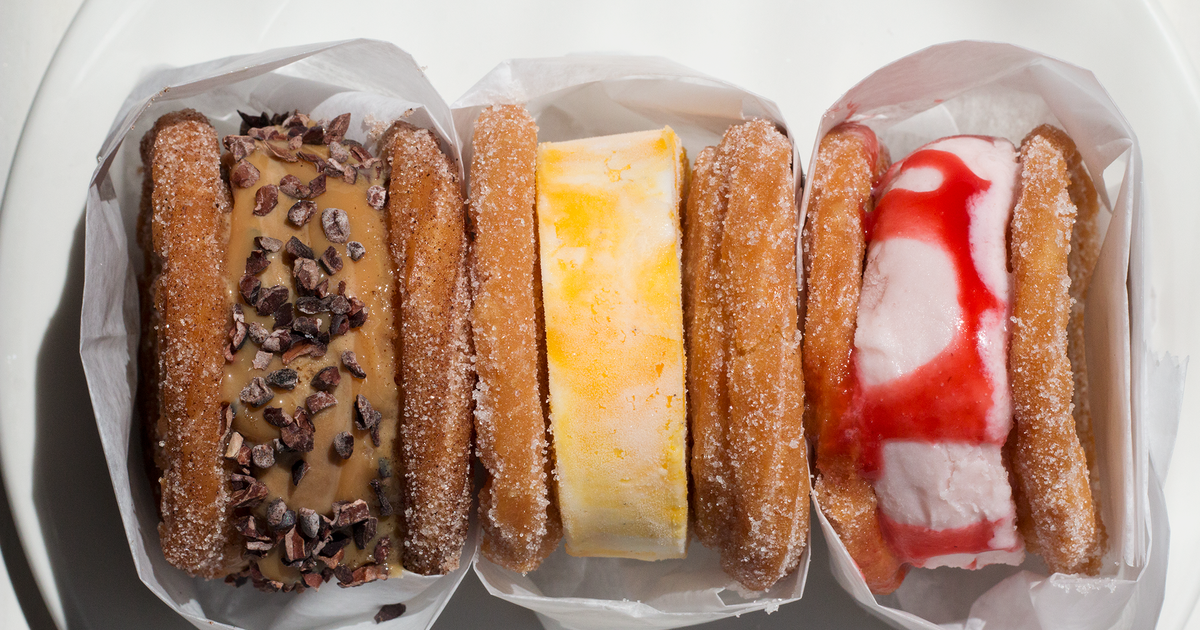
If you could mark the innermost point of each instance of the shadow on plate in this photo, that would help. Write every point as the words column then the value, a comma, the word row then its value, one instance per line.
column 73, row 495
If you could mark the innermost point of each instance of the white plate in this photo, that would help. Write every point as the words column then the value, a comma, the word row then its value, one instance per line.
column 803, row 57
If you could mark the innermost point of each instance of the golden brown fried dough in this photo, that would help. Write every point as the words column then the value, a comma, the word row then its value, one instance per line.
column 1055, row 506
column 848, row 161
column 189, row 206
column 520, row 521
column 429, row 247
column 755, row 278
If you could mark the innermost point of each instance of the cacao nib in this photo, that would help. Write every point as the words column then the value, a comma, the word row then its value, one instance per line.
column 298, row 436
column 248, row 526
column 248, row 286
column 316, row 186
column 376, row 197
column 257, row 262
column 365, row 416
column 258, row 333
column 385, row 467
column 308, row 522
column 283, row 315
column 307, row 326
column 268, row 244
column 364, row 532
column 276, row 417
column 343, row 444
column 355, row 250
column 263, row 456
column 243, row 174
column 299, row 469
column 331, row 260
column 250, row 121
column 380, row 488
column 319, row 402
column 306, row 348
column 239, row 146
column 327, row 379
column 358, row 312
column 322, row 289
column 226, row 418
column 336, row 224
column 291, row 186
column 338, row 152
column 310, row 305
column 293, row 546
column 262, row 359
column 269, row 300
column 388, row 612
column 278, row 341
column 256, row 394
column 234, row 446
column 283, row 379
column 336, row 130
column 347, row 513
column 265, row 200
column 351, row 362
column 301, row 213
column 281, row 154
column 307, row 273
column 251, row 495
column 314, row 135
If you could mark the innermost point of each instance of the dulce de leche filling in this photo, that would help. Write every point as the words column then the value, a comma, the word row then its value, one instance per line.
column 310, row 376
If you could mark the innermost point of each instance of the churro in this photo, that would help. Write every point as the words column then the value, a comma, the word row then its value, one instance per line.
column 519, row 519
column 189, row 223
column 849, row 161
column 428, row 245
column 1049, row 463
column 742, row 283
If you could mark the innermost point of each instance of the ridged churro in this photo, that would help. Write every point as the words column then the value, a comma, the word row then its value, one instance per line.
column 189, row 224
column 428, row 245
column 849, row 161
column 1049, row 464
column 519, row 517
column 742, row 311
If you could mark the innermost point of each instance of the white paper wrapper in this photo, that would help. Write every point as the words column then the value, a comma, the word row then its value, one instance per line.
column 1002, row 90
column 581, row 96
column 369, row 80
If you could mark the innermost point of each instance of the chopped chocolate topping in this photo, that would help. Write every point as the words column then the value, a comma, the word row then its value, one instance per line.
column 314, row 135
column 331, row 261
column 291, row 186
column 301, row 213
column 358, row 312
column 365, row 417
column 316, row 187
column 307, row 326
column 299, row 469
column 336, row 224
column 343, row 444
column 380, row 488
column 385, row 467
column 257, row 262
column 258, row 333
column 278, row 341
column 243, row 175
column 351, row 362
column 265, row 200
column 269, row 300
column 338, row 152
column 355, row 250
column 248, row 286
column 276, row 417
column 377, row 197
column 282, row 154
column 263, row 456
column 239, row 146
column 262, row 359
column 307, row 273
column 283, row 379
column 234, row 445
column 338, row 324
column 347, row 513
column 226, row 418
column 364, row 532
column 308, row 522
column 319, row 402
column 337, row 128
column 256, row 394
column 389, row 612
column 251, row 121
column 383, row 549
column 327, row 379
column 283, row 315
column 248, row 526
column 268, row 244
column 306, row 348
column 298, row 436
column 251, row 494
column 293, row 546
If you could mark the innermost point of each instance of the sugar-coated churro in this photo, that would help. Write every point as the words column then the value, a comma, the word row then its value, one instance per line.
column 519, row 518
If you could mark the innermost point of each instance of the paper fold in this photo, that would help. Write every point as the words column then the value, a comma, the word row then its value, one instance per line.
column 377, row 83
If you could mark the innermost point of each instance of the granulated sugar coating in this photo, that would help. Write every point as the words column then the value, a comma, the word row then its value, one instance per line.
column 189, row 226
column 429, row 246
column 1055, row 507
column 520, row 522
column 741, row 245
column 848, row 161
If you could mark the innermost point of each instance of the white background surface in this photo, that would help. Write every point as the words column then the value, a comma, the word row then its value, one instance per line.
column 802, row 56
